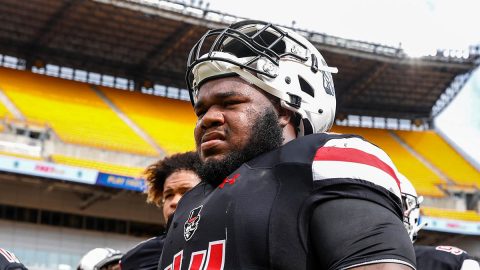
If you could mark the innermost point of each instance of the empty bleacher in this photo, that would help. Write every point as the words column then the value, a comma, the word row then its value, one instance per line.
column 97, row 165
column 72, row 110
column 78, row 115
column 167, row 121
column 468, row 215
column 4, row 111
column 426, row 182
column 433, row 148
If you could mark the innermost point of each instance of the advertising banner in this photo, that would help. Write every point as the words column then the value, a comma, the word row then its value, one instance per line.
column 451, row 226
column 48, row 170
column 122, row 182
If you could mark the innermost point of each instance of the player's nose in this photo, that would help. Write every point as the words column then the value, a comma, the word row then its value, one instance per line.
column 213, row 117
column 174, row 202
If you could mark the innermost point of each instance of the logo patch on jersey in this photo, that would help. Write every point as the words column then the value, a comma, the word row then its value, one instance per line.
column 191, row 224
column 230, row 181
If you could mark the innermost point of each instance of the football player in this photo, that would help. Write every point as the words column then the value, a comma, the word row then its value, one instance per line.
column 430, row 257
column 278, row 192
column 167, row 181
column 8, row 261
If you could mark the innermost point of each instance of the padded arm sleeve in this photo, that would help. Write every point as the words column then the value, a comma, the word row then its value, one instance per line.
column 347, row 233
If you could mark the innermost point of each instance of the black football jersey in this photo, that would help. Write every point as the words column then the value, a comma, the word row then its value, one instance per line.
column 8, row 261
column 443, row 258
column 144, row 256
column 260, row 216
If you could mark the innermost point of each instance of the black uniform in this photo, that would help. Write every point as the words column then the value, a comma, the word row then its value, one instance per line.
column 444, row 258
column 322, row 201
column 8, row 261
column 144, row 256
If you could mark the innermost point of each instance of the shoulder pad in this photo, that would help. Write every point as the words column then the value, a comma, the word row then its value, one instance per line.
column 355, row 158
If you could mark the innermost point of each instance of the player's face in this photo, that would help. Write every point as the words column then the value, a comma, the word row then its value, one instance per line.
column 226, row 110
column 173, row 189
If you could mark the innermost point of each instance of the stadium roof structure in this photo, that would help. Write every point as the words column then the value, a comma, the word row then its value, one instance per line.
column 148, row 41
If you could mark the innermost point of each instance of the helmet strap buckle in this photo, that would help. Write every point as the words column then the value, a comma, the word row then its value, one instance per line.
column 295, row 101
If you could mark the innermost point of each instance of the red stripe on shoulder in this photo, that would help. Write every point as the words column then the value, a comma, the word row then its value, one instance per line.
column 330, row 153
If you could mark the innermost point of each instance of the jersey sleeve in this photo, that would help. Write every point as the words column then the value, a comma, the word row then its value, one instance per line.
column 355, row 159
column 356, row 216
column 8, row 260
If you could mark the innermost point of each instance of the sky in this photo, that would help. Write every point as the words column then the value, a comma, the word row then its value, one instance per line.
column 417, row 26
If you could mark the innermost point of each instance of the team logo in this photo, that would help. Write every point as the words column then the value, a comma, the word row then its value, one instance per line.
column 229, row 181
column 327, row 81
column 191, row 224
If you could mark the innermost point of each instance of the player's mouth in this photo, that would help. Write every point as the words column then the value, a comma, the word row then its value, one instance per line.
column 210, row 141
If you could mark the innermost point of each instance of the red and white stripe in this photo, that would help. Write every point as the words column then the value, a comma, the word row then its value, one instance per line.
column 355, row 158
column 10, row 257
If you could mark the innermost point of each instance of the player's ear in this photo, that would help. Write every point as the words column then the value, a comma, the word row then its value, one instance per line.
column 284, row 116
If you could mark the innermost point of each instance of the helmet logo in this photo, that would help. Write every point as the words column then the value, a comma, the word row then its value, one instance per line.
column 328, row 83
column 270, row 68
column 191, row 224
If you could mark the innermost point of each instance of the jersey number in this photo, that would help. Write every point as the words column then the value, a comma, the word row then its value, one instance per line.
column 215, row 258
column 453, row 250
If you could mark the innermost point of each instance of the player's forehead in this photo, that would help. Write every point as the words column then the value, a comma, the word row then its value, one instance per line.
column 181, row 179
column 223, row 88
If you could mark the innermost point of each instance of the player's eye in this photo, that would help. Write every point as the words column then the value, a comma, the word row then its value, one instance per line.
column 167, row 197
column 231, row 102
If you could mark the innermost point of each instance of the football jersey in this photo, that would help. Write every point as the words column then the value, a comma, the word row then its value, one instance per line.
column 8, row 261
column 144, row 256
column 443, row 258
column 259, row 216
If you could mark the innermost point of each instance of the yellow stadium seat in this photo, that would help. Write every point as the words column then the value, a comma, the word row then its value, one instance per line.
column 425, row 181
column 5, row 153
column 434, row 149
column 468, row 215
column 4, row 112
column 97, row 165
column 169, row 122
column 72, row 109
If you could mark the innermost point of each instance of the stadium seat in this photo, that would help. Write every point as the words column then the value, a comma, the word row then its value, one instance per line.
column 97, row 165
column 169, row 122
column 4, row 112
column 434, row 149
column 72, row 109
column 468, row 215
column 25, row 156
column 426, row 182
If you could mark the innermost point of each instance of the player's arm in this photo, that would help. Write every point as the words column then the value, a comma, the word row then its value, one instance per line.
column 350, row 233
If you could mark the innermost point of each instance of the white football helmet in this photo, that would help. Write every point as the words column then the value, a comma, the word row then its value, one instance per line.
column 277, row 60
column 411, row 207
column 98, row 258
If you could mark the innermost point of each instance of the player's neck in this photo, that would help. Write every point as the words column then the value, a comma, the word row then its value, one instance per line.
column 289, row 133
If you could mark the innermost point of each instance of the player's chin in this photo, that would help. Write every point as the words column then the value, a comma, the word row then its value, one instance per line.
column 212, row 155
column 213, row 150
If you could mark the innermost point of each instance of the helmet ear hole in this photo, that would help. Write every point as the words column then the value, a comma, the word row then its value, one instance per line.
column 305, row 86
column 307, row 127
